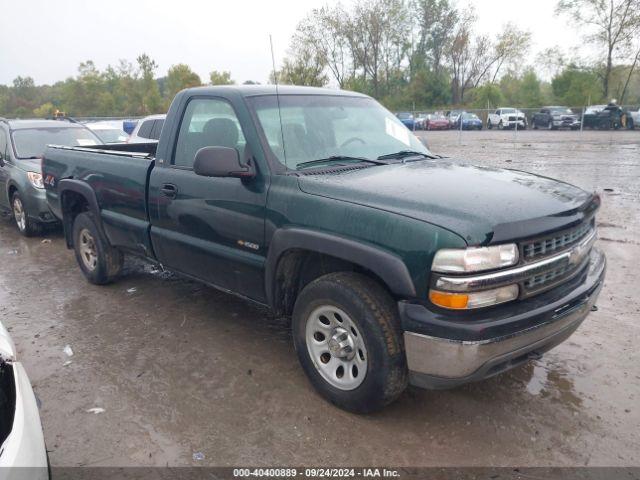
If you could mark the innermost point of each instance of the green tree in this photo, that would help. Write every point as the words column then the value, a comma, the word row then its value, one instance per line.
column 150, row 93
column 487, row 96
column 179, row 77
column 220, row 78
column 44, row 110
column 576, row 87
column 612, row 25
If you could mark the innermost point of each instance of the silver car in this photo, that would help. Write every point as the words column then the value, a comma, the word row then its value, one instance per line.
column 21, row 438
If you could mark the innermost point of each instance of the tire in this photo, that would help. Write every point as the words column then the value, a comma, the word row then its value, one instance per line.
column 550, row 125
column 500, row 126
column 26, row 226
column 535, row 125
column 489, row 125
column 100, row 262
column 327, row 308
column 630, row 124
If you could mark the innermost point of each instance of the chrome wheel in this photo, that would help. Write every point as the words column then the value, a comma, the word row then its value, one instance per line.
column 19, row 214
column 336, row 347
column 87, row 247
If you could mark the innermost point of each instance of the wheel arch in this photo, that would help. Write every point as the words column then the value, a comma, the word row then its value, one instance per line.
column 297, row 256
column 76, row 197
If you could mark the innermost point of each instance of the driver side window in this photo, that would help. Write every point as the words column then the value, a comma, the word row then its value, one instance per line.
column 207, row 122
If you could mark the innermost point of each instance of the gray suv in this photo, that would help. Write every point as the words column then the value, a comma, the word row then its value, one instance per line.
column 22, row 144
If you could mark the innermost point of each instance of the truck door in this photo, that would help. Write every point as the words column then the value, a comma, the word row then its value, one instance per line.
column 209, row 228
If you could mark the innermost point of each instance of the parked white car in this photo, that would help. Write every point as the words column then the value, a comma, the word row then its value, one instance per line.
column 109, row 131
column 148, row 129
column 636, row 118
column 21, row 438
column 507, row 118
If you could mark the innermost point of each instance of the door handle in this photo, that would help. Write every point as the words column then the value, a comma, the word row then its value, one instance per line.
column 169, row 190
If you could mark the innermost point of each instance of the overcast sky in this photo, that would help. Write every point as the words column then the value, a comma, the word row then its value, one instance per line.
column 47, row 39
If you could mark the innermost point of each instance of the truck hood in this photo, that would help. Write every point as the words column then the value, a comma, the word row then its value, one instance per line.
column 7, row 348
column 481, row 204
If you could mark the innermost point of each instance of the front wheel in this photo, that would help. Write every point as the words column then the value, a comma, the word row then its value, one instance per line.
column 100, row 262
column 347, row 335
column 490, row 125
column 26, row 226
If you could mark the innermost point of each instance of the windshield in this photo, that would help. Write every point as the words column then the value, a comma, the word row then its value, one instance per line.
column 315, row 127
column 470, row 116
column 111, row 135
column 31, row 142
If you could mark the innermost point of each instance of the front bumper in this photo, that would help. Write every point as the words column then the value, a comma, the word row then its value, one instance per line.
column 445, row 361
column 37, row 207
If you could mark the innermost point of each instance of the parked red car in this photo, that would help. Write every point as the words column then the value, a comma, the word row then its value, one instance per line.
column 436, row 122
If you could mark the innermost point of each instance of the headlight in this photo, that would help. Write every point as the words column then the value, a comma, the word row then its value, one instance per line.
column 475, row 259
column 36, row 179
column 464, row 301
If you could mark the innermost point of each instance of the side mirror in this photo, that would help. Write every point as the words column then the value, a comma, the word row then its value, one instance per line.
column 220, row 162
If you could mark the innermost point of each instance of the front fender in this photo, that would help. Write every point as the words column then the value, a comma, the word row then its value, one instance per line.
column 389, row 267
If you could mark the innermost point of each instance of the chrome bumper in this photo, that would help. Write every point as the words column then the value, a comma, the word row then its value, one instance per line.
column 442, row 363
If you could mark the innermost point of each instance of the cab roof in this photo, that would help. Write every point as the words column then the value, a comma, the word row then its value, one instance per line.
column 257, row 90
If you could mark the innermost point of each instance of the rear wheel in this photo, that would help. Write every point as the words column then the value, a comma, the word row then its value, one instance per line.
column 26, row 226
column 348, row 339
column 100, row 262
column 550, row 125
column 489, row 125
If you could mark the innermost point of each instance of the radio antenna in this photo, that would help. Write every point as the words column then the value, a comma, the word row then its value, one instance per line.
column 275, row 80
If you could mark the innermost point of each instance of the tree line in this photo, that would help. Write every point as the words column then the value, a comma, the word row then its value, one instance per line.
column 427, row 53
column 127, row 89
column 409, row 54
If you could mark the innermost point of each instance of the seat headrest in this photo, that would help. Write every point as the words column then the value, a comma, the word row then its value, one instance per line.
column 220, row 132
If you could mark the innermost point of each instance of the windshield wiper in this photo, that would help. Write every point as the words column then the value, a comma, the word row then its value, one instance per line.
column 404, row 154
column 338, row 158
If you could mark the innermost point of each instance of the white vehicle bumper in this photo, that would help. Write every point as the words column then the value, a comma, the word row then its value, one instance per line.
column 23, row 454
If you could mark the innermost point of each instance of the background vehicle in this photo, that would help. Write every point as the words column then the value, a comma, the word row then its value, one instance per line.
column 421, row 121
column 407, row 119
column 553, row 118
column 436, row 122
column 635, row 116
column 453, row 116
column 322, row 206
column 22, row 144
column 470, row 121
column 147, row 130
column 109, row 131
column 507, row 118
column 21, row 438
column 591, row 119
column 129, row 126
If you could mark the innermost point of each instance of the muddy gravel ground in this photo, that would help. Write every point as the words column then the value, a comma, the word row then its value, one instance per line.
column 180, row 368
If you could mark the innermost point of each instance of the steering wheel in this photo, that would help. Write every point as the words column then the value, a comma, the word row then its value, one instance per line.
column 351, row 140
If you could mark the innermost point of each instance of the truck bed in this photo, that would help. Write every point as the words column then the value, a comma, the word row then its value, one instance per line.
column 118, row 174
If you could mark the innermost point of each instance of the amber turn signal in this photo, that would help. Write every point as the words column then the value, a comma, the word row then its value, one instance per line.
column 456, row 301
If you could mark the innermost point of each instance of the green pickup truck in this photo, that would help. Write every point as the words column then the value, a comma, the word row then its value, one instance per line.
column 395, row 265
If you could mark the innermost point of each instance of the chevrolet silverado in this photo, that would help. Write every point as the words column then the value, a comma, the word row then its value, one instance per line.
column 395, row 265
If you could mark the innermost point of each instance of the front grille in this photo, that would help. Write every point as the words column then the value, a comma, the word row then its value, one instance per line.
column 535, row 249
column 512, row 119
column 537, row 281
